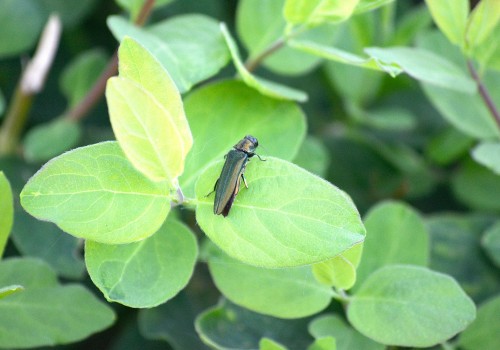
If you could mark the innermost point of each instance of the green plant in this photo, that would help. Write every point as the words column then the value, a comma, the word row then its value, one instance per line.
column 296, row 265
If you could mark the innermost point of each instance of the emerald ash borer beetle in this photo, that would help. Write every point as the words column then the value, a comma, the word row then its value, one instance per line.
column 227, row 186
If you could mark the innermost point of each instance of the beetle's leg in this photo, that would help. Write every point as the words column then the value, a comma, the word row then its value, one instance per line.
column 260, row 157
column 244, row 180
column 215, row 187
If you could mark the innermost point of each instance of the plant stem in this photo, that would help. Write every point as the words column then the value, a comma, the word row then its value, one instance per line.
column 31, row 83
column 97, row 90
column 484, row 93
column 252, row 64
column 95, row 93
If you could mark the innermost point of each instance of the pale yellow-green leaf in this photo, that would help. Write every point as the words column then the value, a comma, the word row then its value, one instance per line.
column 145, row 130
column 451, row 17
column 316, row 12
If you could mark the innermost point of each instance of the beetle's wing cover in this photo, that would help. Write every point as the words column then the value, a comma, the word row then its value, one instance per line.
column 228, row 183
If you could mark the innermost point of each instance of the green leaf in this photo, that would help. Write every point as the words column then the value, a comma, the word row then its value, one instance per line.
column 285, row 293
column 145, row 131
column 345, row 336
column 339, row 272
column 481, row 23
column 218, row 122
column 51, row 315
column 80, row 75
column 190, row 55
column 137, row 64
column 325, row 343
column 7, row 210
column 488, row 154
column 313, row 156
column 13, row 15
column 269, row 344
column 341, row 56
column 287, row 217
column 50, row 139
column 396, row 234
column 425, row 66
column 448, row 146
column 45, row 312
column 151, row 128
column 412, row 22
column 260, row 25
column 370, row 5
column 265, row 87
column 456, row 250
column 174, row 321
column 46, row 241
column 94, row 193
column 487, row 53
column 476, row 186
column 451, row 18
column 315, row 12
column 71, row 13
column 118, row 270
column 491, row 243
column 228, row 326
column 483, row 332
column 464, row 111
column 29, row 272
column 407, row 305
column 134, row 6
column 6, row 291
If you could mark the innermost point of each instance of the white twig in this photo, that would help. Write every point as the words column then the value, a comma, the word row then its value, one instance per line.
column 38, row 67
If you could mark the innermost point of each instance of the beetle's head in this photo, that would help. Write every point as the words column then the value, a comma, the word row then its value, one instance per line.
column 247, row 145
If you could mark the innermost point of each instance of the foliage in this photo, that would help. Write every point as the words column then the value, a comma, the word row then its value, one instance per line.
column 368, row 219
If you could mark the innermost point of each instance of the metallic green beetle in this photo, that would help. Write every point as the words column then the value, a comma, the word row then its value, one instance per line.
column 227, row 186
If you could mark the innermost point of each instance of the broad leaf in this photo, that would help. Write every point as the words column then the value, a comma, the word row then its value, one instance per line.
column 491, row 242
column 265, row 87
column 13, row 14
column 425, row 66
column 261, row 25
column 324, row 343
column 50, row 139
column 147, row 115
column 448, row 146
column 191, row 55
column 46, row 241
column 451, row 17
column 315, row 12
column 339, row 272
column 341, row 56
column 407, row 305
column 7, row 210
column 134, row 6
column 95, row 193
column 483, row 332
column 118, row 270
column 285, row 293
column 287, row 217
column 457, row 251
column 396, row 234
column 137, row 64
column 45, row 312
column 228, row 326
column 481, row 23
column 313, row 156
column 81, row 74
column 218, row 122
column 174, row 321
column 345, row 336
column 476, row 186
column 466, row 112
column 145, row 131
column 269, row 344
column 488, row 154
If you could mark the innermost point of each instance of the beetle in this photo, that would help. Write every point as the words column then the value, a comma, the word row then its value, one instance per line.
column 228, row 184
